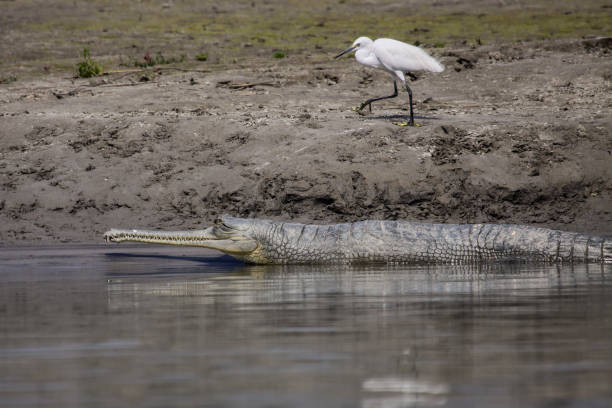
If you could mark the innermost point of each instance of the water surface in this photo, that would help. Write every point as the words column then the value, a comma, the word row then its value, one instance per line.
column 101, row 326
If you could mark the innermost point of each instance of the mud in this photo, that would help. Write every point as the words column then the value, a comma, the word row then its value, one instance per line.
column 510, row 132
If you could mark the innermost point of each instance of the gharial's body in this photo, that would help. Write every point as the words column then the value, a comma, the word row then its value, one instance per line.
column 271, row 242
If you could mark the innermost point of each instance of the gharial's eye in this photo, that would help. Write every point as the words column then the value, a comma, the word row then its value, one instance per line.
column 220, row 226
column 226, row 228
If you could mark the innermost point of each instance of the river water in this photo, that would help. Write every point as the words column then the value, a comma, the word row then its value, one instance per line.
column 102, row 326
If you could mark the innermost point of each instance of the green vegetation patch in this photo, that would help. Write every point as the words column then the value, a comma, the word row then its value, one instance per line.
column 296, row 29
column 8, row 79
column 305, row 32
column 88, row 67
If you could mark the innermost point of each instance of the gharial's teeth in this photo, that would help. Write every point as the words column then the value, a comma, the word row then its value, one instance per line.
column 134, row 235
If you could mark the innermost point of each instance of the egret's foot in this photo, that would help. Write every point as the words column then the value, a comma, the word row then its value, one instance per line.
column 359, row 110
column 406, row 123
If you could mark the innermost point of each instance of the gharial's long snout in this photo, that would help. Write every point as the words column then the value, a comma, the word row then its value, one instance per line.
column 212, row 237
column 160, row 237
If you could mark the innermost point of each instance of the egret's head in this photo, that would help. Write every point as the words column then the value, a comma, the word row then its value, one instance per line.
column 361, row 42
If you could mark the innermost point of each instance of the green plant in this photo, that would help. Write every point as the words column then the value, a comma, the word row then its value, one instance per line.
column 279, row 54
column 8, row 79
column 201, row 57
column 88, row 67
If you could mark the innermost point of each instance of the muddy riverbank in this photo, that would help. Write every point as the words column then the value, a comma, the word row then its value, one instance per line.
column 510, row 132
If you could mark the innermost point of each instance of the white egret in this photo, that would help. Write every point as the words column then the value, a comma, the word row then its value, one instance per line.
column 394, row 57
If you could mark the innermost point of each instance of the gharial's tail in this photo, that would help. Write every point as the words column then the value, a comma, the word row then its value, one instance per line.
column 587, row 248
column 606, row 250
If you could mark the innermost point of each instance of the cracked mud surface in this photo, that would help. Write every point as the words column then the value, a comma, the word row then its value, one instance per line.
column 508, row 133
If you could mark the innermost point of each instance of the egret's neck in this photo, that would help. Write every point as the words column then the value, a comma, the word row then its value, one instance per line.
column 365, row 56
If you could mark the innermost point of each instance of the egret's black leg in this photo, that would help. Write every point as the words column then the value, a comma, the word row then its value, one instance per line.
column 369, row 101
column 411, row 123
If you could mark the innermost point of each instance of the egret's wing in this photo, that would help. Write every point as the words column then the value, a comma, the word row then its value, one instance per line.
column 398, row 56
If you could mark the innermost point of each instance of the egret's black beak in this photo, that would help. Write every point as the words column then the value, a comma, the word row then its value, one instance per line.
column 344, row 52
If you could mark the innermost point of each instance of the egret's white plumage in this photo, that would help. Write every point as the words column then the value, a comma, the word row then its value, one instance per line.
column 395, row 57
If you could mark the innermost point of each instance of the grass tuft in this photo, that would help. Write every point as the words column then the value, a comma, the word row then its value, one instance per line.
column 88, row 67
column 8, row 79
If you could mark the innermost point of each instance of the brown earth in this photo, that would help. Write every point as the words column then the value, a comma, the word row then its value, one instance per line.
column 508, row 133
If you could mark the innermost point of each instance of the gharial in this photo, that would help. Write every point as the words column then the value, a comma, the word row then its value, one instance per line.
column 395, row 57
column 272, row 242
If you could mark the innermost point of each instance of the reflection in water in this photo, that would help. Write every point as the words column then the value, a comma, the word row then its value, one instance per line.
column 406, row 393
column 152, row 329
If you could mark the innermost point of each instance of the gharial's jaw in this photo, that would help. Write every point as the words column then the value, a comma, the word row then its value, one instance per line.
column 236, row 245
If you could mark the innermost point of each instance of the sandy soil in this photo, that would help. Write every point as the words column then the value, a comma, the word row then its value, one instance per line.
column 508, row 133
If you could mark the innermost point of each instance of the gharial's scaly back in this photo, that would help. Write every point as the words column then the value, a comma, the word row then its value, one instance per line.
column 407, row 242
